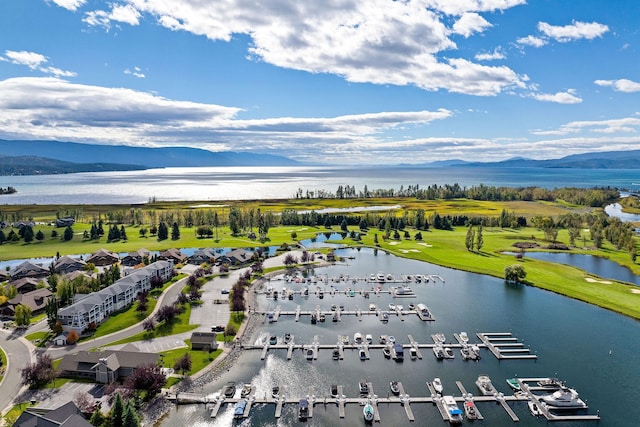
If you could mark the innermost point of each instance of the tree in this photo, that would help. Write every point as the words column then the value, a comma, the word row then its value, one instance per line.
column 343, row 225
column 68, row 234
column 163, row 231
column 51, row 308
column 72, row 337
column 294, row 235
column 514, row 273
column 117, row 411
column 479, row 238
column 148, row 325
column 97, row 419
column 175, row 231
column 148, row 377
column 38, row 374
column 289, row 260
column 130, row 418
column 469, row 241
column 28, row 234
column 183, row 363
column 166, row 314
column 22, row 315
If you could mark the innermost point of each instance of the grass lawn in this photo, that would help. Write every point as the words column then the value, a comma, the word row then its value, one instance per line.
column 122, row 320
column 199, row 359
column 39, row 339
column 3, row 363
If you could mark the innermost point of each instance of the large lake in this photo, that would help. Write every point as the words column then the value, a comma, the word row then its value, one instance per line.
column 593, row 350
column 236, row 183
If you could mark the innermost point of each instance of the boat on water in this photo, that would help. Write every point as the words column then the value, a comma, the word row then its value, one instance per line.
column 336, row 354
column 363, row 386
column 314, row 319
column 470, row 410
column 468, row 352
column 273, row 340
column 385, row 317
column 372, row 277
column 464, row 337
column 334, row 390
column 322, row 317
column 440, row 338
column 534, row 408
column 390, row 278
column 513, row 383
column 438, row 350
column 373, row 307
column 383, row 339
column 404, row 291
column 391, row 339
column 386, row 352
column 229, row 389
column 566, row 398
column 368, row 413
column 275, row 391
column 303, row 409
column 485, row 386
column 368, row 338
column 412, row 307
column 392, row 306
column 309, row 354
column 395, row 387
column 335, row 317
column 362, row 354
column 238, row 411
column 380, row 277
column 437, row 385
column 448, row 353
column 270, row 317
column 246, row 390
column 357, row 338
column 287, row 338
column 399, row 352
column 551, row 383
column 413, row 353
column 453, row 412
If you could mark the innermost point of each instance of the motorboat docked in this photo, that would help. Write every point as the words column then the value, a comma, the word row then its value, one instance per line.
column 322, row 317
column 392, row 306
column 399, row 352
column 309, row 354
column 363, row 386
column 229, row 389
column 373, row 307
column 469, row 352
column 275, row 391
column 513, row 383
column 385, row 317
column 534, row 408
column 404, row 291
column 273, row 340
column 372, row 277
column 335, row 317
column 368, row 338
column 287, row 338
column 453, row 412
column 464, row 337
column 336, row 354
column 440, row 338
column 303, row 409
column 395, row 387
column 390, row 278
column 551, row 383
column 270, row 317
column 383, row 339
column 411, row 307
column 380, row 277
column 438, row 350
column 485, row 386
column 566, row 398
column 238, row 411
column 391, row 339
column 368, row 413
column 413, row 353
column 334, row 390
column 399, row 307
column 437, row 385
column 357, row 338
column 386, row 352
column 314, row 319
column 362, row 354
column 470, row 410
column 246, row 390
column 448, row 353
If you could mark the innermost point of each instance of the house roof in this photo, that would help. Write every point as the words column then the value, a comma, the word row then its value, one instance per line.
column 115, row 359
column 25, row 282
column 203, row 337
column 67, row 415
column 172, row 253
column 35, row 300
column 68, row 261
column 29, row 268
column 239, row 255
column 101, row 254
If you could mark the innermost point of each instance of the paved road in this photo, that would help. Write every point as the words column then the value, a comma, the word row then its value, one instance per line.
column 20, row 352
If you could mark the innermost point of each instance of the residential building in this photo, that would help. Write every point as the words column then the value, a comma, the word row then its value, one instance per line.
column 134, row 258
column 67, row 415
column 236, row 257
column 206, row 255
column 29, row 269
column 66, row 264
column 103, row 257
column 204, row 341
column 24, row 285
column 96, row 307
column 106, row 366
column 35, row 300
column 174, row 255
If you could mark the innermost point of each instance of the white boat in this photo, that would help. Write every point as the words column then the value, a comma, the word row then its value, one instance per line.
column 399, row 307
column 372, row 307
column 390, row 278
column 395, row 388
column 485, row 386
column 438, row 350
column 440, row 338
column 246, row 390
column 363, row 386
column 413, row 353
column 448, row 353
column 385, row 317
column 357, row 338
column 386, row 352
column 551, row 383
column 303, row 409
column 404, row 291
column 451, row 407
column 534, row 408
column 564, row 398
column 372, row 277
column 362, row 353
column 391, row 339
column 464, row 337
column 380, row 277
column 437, row 385
column 392, row 307
column 367, row 412
column 309, row 354
column 368, row 338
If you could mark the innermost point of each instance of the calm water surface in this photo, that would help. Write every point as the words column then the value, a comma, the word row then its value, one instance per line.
column 237, row 183
column 573, row 341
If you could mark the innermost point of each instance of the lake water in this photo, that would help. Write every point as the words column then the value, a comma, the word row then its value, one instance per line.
column 595, row 351
column 237, row 183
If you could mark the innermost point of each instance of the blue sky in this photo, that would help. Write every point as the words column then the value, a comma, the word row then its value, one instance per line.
column 338, row 81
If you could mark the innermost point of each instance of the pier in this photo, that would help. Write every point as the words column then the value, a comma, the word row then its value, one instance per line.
column 504, row 345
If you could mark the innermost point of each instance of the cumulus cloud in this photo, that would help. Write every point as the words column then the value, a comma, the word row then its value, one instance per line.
column 35, row 61
column 531, row 41
column 52, row 108
column 126, row 14
column 377, row 41
column 567, row 97
column 470, row 23
column 71, row 5
column 575, row 31
column 611, row 126
column 136, row 72
column 620, row 85
column 497, row 53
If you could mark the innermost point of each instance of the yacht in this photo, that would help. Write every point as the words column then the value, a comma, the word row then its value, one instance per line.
column 383, row 339
column 368, row 338
column 229, row 389
column 470, row 410
column 485, row 386
column 246, row 390
column 309, row 354
column 440, row 338
column 454, row 413
column 448, row 353
column 404, row 291
column 372, row 277
column 438, row 350
column 392, row 306
column 437, row 385
column 413, row 353
column 357, row 338
column 362, row 353
column 380, row 277
column 372, row 307
column 564, row 398
column 464, row 337
column 303, row 409
column 551, row 383
column 513, row 383
column 368, row 413
column 395, row 388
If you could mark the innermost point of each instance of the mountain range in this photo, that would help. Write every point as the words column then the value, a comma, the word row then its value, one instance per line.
column 50, row 157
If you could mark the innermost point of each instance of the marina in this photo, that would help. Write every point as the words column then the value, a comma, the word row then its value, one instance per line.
column 444, row 404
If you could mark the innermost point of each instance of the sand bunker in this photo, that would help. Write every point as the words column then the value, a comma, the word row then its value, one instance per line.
column 406, row 251
column 635, row 291
column 394, row 243
column 426, row 245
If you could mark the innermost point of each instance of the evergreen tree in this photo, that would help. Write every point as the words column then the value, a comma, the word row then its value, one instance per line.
column 3, row 237
column 97, row 419
column 68, row 234
column 51, row 308
column 130, row 418
column 175, row 231
column 123, row 233
column 479, row 238
column 28, row 234
column 163, row 231
column 117, row 412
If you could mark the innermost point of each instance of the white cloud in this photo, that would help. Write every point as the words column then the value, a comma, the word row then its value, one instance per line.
column 624, row 125
column 71, row 5
column 136, row 72
column 575, row 31
column 497, row 53
column 567, row 97
column 470, row 23
column 620, row 85
column 377, row 41
column 34, row 61
column 532, row 41
column 126, row 14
